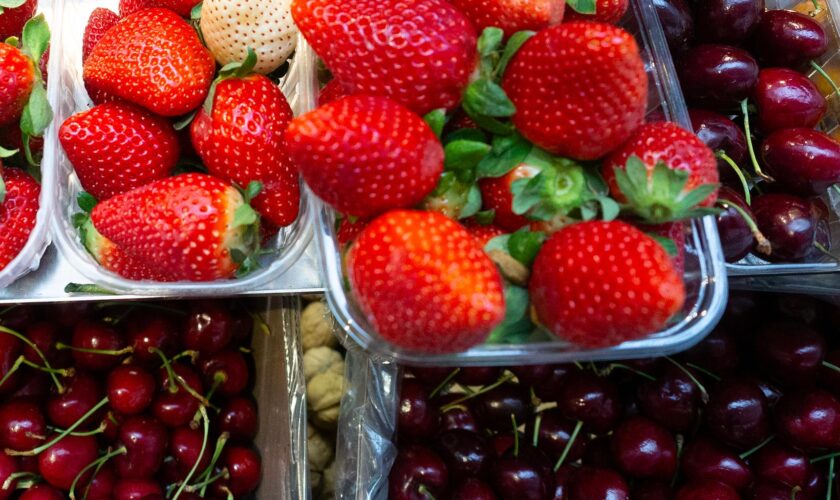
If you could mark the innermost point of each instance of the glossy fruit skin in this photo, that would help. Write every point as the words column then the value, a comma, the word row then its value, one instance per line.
column 10, row 349
column 809, row 419
column 41, row 491
column 414, row 466
column 18, row 213
column 365, row 155
column 456, row 418
column 644, row 449
column 554, row 434
column 720, row 134
column 790, row 353
column 807, row 161
column 98, row 336
column 707, row 490
column 672, row 400
column 606, row 11
column 130, row 389
column 62, row 462
column 99, row 22
column 473, row 489
column 736, row 237
column 146, row 442
column 591, row 399
column 417, row 418
column 494, row 409
column 788, row 223
column 230, row 368
column 548, row 105
column 478, row 375
column 787, row 38
column 349, row 34
column 787, row 99
column 512, row 16
column 526, row 476
column 677, row 23
column 780, row 463
column 146, row 333
column 18, row 77
column 726, row 21
column 718, row 76
column 704, row 460
column 137, row 489
column 82, row 392
column 185, row 448
column 737, row 413
column 465, row 453
column 22, row 425
column 177, row 409
column 593, row 482
column 238, row 417
column 496, row 195
column 12, row 20
column 209, row 328
column 245, row 469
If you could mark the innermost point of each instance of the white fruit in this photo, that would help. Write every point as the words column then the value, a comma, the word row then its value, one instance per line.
column 230, row 27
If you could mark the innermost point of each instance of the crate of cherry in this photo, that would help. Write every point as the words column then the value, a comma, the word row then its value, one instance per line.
column 152, row 400
column 751, row 412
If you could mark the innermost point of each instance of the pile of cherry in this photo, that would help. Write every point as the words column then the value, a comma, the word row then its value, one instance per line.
column 742, row 70
column 139, row 401
column 750, row 412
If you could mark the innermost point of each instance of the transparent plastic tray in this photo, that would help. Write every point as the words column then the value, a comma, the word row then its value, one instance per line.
column 68, row 91
column 705, row 275
column 30, row 255
column 829, row 19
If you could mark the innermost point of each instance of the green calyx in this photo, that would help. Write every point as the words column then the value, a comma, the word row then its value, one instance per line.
column 661, row 196
column 245, row 248
column 238, row 69
column 37, row 113
column 583, row 6
column 10, row 4
column 454, row 198
column 557, row 189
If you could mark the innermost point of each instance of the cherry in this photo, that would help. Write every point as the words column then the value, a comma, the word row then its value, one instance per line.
column 594, row 482
column 809, row 419
column 41, row 491
column 238, row 417
column 737, row 413
column 178, row 408
column 44, row 335
column 703, row 460
column 643, row 449
column 524, row 475
column 96, row 336
column 493, row 409
column 720, row 134
column 562, row 478
column 672, row 400
column 717, row 75
column 718, row 352
column 787, row 99
column 209, row 327
column 63, row 461
column 473, row 489
column 102, row 484
column 830, row 377
column 707, row 490
column 787, row 38
column 554, row 433
column 10, row 349
column 458, row 416
column 82, row 392
column 479, row 375
column 145, row 440
column 242, row 325
column 17, row 317
column 227, row 371
column 415, row 470
column 416, row 417
column 548, row 389
column 777, row 462
column 22, row 425
column 651, row 490
column 532, row 375
column 8, row 466
column 788, row 223
column 185, row 447
column 599, row 453
column 430, row 376
column 807, row 161
column 726, row 21
column 677, row 23
column 130, row 389
column 771, row 393
column 737, row 237
column 791, row 353
column 502, row 443
column 591, row 399
column 137, row 489
column 149, row 333
column 35, row 386
column 466, row 454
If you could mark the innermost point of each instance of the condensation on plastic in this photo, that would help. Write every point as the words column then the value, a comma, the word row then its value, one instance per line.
column 829, row 19
column 30, row 255
column 68, row 91
column 705, row 275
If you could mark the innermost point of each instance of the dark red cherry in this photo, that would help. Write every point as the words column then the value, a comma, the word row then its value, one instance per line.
column 790, row 353
column 242, row 325
column 787, row 38
column 101, row 486
column 591, row 399
column 22, row 425
column 651, row 490
column 703, row 460
column 554, row 434
column 593, row 482
column 718, row 352
column 719, row 76
column 829, row 377
column 228, row 370
column 707, row 490
column 149, row 332
column 720, row 134
column 8, row 466
column 62, row 462
column 178, row 408
column 238, row 417
column 10, row 349
column 459, row 416
column 473, row 489
column 737, row 413
column 562, row 479
column 726, row 21
column 429, row 376
column 44, row 334
column 466, row 454
column 82, row 392
column 599, row 453
column 548, row 389
column 41, row 491
column 788, row 223
column 137, row 489
column 787, row 99
column 527, row 475
column 494, row 408
column 145, row 440
column 100, row 337
column 736, row 236
column 417, row 418
column 209, row 327
column 185, row 449
column 677, row 23
column 417, row 469
column 643, row 449
column 809, row 419
column 531, row 375
column 806, row 161
column 478, row 375
column 672, row 399
column 778, row 462
column 130, row 389
column 35, row 386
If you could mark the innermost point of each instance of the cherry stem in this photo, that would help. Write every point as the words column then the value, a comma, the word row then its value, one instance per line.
column 184, row 385
column 217, row 381
column 637, row 372
column 826, row 76
column 12, row 370
column 10, row 308
column 515, row 435
column 762, row 243
column 743, row 456
column 704, row 395
column 64, row 372
column 830, row 478
column 817, row 8
column 173, row 387
column 750, row 147
column 569, row 444
column 794, row 491
column 196, row 486
column 7, row 484
column 825, row 457
column 537, row 423
column 66, row 432
column 826, row 364
column 825, row 251
column 103, row 352
column 194, row 467
column 231, row 497
column 445, row 382
column 96, row 463
column 98, row 430
column 704, row 371
column 680, row 444
column 729, row 161
column 193, row 355
column 37, row 350
column 220, row 445
column 484, row 389
column 425, row 492
column 260, row 323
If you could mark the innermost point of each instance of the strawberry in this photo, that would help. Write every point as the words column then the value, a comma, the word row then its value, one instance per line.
column 17, row 78
column 191, row 227
column 99, row 22
column 18, row 212
column 483, row 233
column 579, row 89
column 117, row 147
column 598, row 283
column 181, row 7
column 240, row 139
column 364, row 154
column 332, row 91
column 152, row 58
column 114, row 259
column 663, row 172
column 128, row 7
column 419, row 52
column 13, row 19
column 497, row 195
column 675, row 232
column 512, row 15
column 264, row 26
column 606, row 11
column 424, row 282
column 349, row 230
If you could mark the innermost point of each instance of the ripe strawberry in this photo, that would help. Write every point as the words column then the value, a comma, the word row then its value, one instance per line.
column 242, row 141
column 264, row 26
column 99, row 22
column 598, row 283
column 17, row 78
column 13, row 19
column 18, row 212
column 128, row 7
column 496, row 195
column 117, row 147
column 181, row 7
column 189, row 227
column 674, row 231
column 421, row 53
column 114, row 259
column 688, row 166
column 512, row 15
column 606, row 11
column 349, row 230
column 152, row 58
column 580, row 89
column 483, row 233
column 332, row 91
column 366, row 154
column 424, row 282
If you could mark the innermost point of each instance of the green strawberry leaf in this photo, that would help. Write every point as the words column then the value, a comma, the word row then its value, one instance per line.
column 485, row 97
column 667, row 243
column 185, row 121
column 473, row 203
column 609, row 208
column 485, row 217
column 195, row 14
column 492, row 125
column 556, row 190
column 36, row 38
column 524, row 245
column 13, row 41
column 10, row 4
column 436, row 119
column 244, row 216
column 86, row 201
column 7, row 153
column 464, row 155
column 254, row 188
column 236, row 69
column 247, row 264
column 80, row 219
column 466, row 134
column 506, row 154
column 514, row 44
column 450, row 197
column 582, row 6
column 516, row 326
column 37, row 114
column 2, row 190
column 490, row 41
column 498, row 243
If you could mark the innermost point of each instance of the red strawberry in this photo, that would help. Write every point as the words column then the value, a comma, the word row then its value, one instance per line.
column 512, row 15
column 114, row 259
column 128, row 7
column 663, row 198
column 17, row 78
column 117, row 147
column 606, row 11
column 483, row 233
column 99, row 22
column 674, row 231
column 424, row 282
column 189, row 227
column 598, row 284
column 242, row 141
column 152, row 58
column 365, row 154
column 349, row 230
column 496, row 195
column 580, row 89
column 13, row 19
column 182, row 7
column 419, row 52
column 18, row 212
column 332, row 91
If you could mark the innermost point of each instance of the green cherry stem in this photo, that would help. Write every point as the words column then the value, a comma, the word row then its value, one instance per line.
column 704, row 394
column 445, row 382
column 708, row 373
column 38, row 351
column 97, row 464
column 830, row 478
column 746, row 187
column 746, row 112
column 98, row 430
column 170, row 373
column 826, row 77
column 761, row 242
column 194, row 468
column 506, row 377
column 217, row 452
column 196, row 486
column 104, row 352
column 62, row 435
column 13, row 477
column 515, row 435
column 536, row 435
column 631, row 369
column 231, row 497
column 569, row 443
column 743, row 456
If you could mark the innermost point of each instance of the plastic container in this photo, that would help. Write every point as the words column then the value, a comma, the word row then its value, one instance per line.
column 829, row 19
column 68, row 91
column 705, row 275
column 30, row 255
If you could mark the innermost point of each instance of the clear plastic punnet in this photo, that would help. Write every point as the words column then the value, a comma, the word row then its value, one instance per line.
column 30, row 256
column 67, row 92
column 705, row 274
